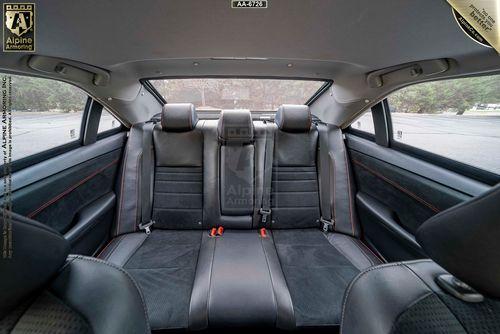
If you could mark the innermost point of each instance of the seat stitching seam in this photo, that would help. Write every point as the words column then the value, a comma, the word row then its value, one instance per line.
column 407, row 308
column 374, row 254
column 136, row 248
column 275, row 302
column 363, row 273
column 126, row 274
column 120, row 207
column 341, row 252
column 349, row 190
column 362, row 251
column 105, row 247
column 137, row 186
column 115, row 246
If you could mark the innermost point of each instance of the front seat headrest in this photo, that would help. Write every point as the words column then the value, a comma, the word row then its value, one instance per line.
column 465, row 240
column 235, row 126
column 37, row 254
column 178, row 117
column 293, row 118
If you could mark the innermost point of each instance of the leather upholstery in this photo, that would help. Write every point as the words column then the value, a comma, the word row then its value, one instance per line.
column 405, row 298
column 293, row 118
column 178, row 117
column 178, row 149
column 240, row 266
column 376, row 297
column 104, row 294
column 235, row 127
column 338, row 182
column 37, row 252
column 464, row 240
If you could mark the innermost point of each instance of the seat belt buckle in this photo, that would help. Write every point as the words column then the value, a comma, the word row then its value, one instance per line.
column 263, row 232
column 265, row 214
column 327, row 225
column 146, row 227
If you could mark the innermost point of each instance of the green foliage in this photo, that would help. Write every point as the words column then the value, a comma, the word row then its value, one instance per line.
column 458, row 95
column 253, row 94
column 38, row 94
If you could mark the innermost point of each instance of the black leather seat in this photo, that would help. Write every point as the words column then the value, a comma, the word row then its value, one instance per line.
column 211, row 173
column 422, row 296
column 45, row 291
column 163, row 263
column 317, row 266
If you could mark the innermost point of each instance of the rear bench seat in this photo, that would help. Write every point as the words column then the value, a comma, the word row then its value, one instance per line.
column 163, row 263
column 317, row 266
column 212, row 173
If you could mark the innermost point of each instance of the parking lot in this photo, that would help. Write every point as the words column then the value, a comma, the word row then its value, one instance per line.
column 472, row 139
column 33, row 132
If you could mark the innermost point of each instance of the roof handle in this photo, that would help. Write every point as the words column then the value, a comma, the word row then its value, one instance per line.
column 406, row 72
column 70, row 70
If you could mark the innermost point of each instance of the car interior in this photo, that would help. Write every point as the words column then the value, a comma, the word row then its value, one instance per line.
column 323, row 166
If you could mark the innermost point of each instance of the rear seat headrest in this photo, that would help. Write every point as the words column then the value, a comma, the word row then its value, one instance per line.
column 293, row 118
column 235, row 126
column 178, row 117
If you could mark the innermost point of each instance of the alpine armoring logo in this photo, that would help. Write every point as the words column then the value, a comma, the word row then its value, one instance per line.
column 19, row 27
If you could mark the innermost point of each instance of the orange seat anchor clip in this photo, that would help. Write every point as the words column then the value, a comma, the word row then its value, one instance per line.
column 216, row 231
column 263, row 232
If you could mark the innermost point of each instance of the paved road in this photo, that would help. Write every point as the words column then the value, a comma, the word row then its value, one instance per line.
column 474, row 140
column 33, row 132
column 471, row 139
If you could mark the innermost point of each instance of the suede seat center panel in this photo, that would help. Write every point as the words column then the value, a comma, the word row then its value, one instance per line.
column 164, row 267
column 294, row 277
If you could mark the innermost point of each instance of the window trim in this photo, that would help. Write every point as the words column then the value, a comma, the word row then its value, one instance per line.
column 38, row 157
column 146, row 82
column 456, row 166
column 462, row 168
column 452, row 165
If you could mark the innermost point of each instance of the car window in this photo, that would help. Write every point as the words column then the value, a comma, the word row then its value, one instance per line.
column 228, row 93
column 107, row 121
column 458, row 119
column 364, row 123
column 45, row 114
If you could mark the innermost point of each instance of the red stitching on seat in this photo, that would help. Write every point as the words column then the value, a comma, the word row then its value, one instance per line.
column 105, row 247
column 399, row 187
column 70, row 189
column 122, row 181
column 371, row 251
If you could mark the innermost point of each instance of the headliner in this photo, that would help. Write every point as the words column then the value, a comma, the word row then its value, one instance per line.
column 330, row 39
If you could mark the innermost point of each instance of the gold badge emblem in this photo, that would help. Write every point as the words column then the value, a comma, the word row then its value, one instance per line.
column 19, row 28
column 479, row 19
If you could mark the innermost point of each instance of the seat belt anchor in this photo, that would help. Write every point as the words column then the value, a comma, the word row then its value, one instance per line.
column 265, row 214
column 146, row 227
column 327, row 225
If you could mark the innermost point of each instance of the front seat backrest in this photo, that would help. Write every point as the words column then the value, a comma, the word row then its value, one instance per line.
column 45, row 291
column 421, row 296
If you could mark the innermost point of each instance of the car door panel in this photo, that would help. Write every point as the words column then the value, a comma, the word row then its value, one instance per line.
column 73, row 192
column 397, row 193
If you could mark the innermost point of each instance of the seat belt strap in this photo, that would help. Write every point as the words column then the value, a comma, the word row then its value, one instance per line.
column 327, row 221
column 147, row 178
column 265, row 210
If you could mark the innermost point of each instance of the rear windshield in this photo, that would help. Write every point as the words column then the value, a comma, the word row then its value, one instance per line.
column 253, row 94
